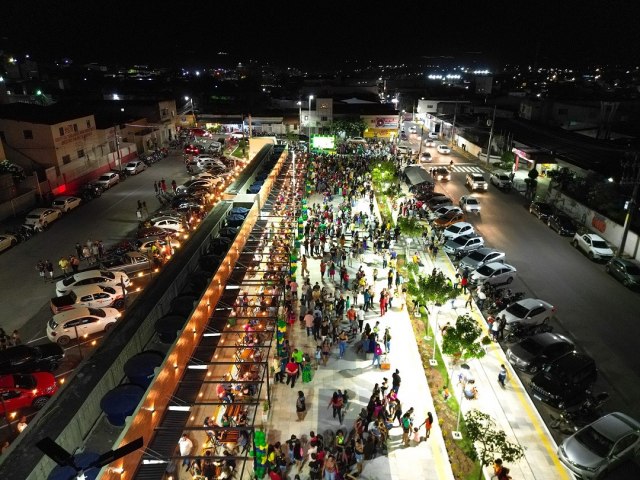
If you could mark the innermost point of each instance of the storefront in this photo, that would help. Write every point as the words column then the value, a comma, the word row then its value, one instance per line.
column 383, row 127
column 530, row 158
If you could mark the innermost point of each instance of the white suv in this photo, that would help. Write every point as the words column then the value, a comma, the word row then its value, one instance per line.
column 80, row 321
column 92, row 277
column 476, row 181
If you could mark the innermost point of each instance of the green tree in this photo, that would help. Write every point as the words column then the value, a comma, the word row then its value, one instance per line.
column 433, row 289
column 461, row 340
column 410, row 226
column 490, row 441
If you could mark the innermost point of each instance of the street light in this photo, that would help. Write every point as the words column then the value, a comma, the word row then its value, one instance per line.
column 299, row 116
column 193, row 110
column 309, row 121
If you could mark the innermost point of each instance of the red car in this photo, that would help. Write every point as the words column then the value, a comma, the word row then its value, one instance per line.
column 20, row 391
column 192, row 150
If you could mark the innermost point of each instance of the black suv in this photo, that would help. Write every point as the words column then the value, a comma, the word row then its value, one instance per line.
column 31, row 358
column 563, row 382
column 534, row 352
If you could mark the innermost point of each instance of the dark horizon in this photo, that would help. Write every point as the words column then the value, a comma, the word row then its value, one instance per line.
column 333, row 33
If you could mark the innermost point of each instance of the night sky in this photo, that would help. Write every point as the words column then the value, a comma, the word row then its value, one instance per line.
column 323, row 33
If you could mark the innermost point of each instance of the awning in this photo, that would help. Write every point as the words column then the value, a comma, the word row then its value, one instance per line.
column 417, row 175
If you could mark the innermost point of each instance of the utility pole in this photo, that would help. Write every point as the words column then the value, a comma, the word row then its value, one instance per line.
column 421, row 140
column 453, row 127
column 632, row 202
column 115, row 132
column 493, row 122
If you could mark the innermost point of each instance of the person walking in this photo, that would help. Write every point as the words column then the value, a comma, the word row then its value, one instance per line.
column 481, row 298
column 336, row 402
column 139, row 214
column 292, row 372
column 75, row 263
column 163, row 186
column 174, row 186
column 49, row 267
column 78, row 250
column 155, row 188
column 342, row 343
column 41, row 269
column 301, row 406
column 386, row 338
column 395, row 381
column 495, row 329
column 503, row 323
column 64, row 265
column 377, row 352
column 406, row 423
column 390, row 279
column 469, row 302
column 502, row 375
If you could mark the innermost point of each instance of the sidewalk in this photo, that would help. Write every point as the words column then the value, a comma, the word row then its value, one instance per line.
column 356, row 375
column 511, row 408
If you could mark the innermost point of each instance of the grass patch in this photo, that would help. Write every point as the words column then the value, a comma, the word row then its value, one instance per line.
column 237, row 152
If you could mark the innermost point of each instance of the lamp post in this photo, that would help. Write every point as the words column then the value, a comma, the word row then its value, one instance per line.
column 193, row 110
column 299, row 116
column 309, row 120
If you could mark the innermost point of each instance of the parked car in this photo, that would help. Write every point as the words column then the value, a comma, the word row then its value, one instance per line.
column 442, row 174
column 144, row 244
column 26, row 390
column 203, row 182
column 191, row 150
column 129, row 263
column 476, row 181
column 42, row 217
column 541, row 210
column 153, row 232
column 593, row 245
column 480, row 257
column 598, row 448
column 440, row 211
column 438, row 201
column 563, row 382
column 108, row 180
column 66, row 203
column 495, row 273
column 7, row 241
column 463, row 244
column 94, row 296
column 469, row 203
column 135, row 167
column 444, row 149
column 30, row 358
column 457, row 230
column 501, row 180
column 433, row 135
column 626, row 271
column 90, row 191
column 534, row 352
column 429, row 142
column 448, row 219
column 81, row 321
column 561, row 223
column 168, row 223
column 528, row 311
column 92, row 277
column 405, row 150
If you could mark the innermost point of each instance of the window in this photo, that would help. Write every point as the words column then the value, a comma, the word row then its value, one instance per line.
column 61, row 130
column 28, row 134
column 429, row 106
column 88, row 123
column 75, row 127
column 66, row 159
column 80, row 153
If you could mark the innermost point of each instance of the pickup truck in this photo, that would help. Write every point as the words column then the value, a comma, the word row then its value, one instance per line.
column 130, row 262
column 594, row 246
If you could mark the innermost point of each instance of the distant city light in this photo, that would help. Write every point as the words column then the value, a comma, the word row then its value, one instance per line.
column 115, row 96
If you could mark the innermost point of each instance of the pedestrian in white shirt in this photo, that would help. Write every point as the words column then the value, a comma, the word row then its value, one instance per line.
column 186, row 445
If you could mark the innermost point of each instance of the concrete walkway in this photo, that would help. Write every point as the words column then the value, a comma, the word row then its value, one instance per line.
column 426, row 460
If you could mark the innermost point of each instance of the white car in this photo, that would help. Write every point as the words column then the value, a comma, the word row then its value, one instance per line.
column 530, row 311
column 469, row 203
column 91, row 277
column 593, row 245
column 443, row 149
column 81, row 321
column 501, row 179
column 93, row 296
column 425, row 157
column 66, row 203
column 135, row 167
column 413, row 129
column 144, row 245
column 433, row 135
column 7, row 241
column 108, row 180
column 494, row 273
column 457, row 229
column 198, row 182
column 42, row 217
column 214, row 178
column 168, row 223
column 429, row 142
column 237, row 134
column 440, row 211
column 405, row 150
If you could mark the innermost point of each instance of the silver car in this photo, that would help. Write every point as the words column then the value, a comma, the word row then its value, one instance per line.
column 480, row 257
column 135, row 167
column 593, row 451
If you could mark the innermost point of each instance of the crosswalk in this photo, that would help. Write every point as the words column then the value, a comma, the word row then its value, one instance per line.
column 467, row 169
